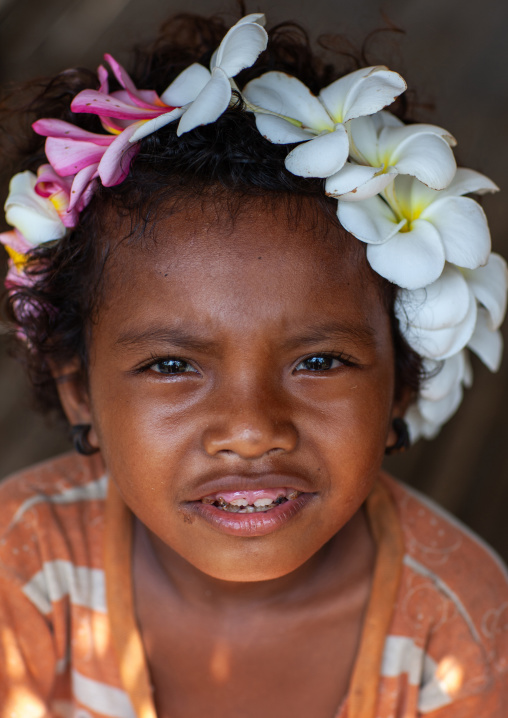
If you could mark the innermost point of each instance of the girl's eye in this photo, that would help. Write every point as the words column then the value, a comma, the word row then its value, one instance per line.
column 172, row 366
column 320, row 362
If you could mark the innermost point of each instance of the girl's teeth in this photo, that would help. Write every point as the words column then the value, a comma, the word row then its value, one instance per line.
column 242, row 505
column 262, row 502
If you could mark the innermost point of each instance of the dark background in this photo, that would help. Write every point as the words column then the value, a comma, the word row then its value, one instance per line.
column 455, row 55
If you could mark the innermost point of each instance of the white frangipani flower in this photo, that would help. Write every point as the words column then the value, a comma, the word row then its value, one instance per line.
column 199, row 95
column 287, row 112
column 437, row 321
column 381, row 147
column 412, row 230
column 35, row 217
column 440, row 395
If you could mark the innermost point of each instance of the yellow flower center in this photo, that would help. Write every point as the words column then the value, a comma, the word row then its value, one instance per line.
column 18, row 258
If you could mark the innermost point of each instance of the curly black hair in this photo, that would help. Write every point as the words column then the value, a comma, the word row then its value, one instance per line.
column 228, row 158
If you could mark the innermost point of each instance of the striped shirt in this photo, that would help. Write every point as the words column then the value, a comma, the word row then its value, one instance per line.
column 434, row 641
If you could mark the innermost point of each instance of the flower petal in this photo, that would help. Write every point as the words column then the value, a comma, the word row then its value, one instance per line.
column 96, row 103
column 82, row 187
column 423, row 155
column 349, row 178
column 409, row 259
column 404, row 132
column 102, row 74
column 15, row 240
column 463, row 228
column 354, row 183
column 68, row 158
column 322, row 156
column 287, row 96
column 142, row 98
column 486, row 344
column 115, row 163
column 241, row 46
column 65, row 130
column 489, row 285
column 418, row 427
column 186, row 86
column 32, row 215
column 280, row 131
column 468, row 181
column 445, row 377
column 442, row 304
column 49, row 182
column 258, row 17
column 120, row 73
column 363, row 92
column 147, row 128
column 363, row 137
column 442, row 343
column 209, row 105
column 371, row 220
column 384, row 118
column 439, row 412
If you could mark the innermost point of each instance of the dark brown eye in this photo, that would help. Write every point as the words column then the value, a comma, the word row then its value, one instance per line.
column 322, row 362
column 172, row 366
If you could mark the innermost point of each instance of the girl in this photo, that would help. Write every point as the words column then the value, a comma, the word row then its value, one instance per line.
column 241, row 295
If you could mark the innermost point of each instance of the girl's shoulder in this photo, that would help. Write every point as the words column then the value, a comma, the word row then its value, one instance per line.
column 439, row 545
column 449, row 629
column 52, row 480
column 53, row 589
column 51, row 517
column 64, row 481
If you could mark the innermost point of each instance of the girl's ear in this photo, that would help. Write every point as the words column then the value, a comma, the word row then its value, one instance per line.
column 74, row 396
column 400, row 406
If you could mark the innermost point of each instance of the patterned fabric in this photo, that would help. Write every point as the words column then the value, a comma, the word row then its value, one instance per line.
column 434, row 644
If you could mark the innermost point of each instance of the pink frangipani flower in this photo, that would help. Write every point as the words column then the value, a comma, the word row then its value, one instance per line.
column 118, row 110
column 58, row 190
column 85, row 156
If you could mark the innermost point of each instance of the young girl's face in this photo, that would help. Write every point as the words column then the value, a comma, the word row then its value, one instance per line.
column 242, row 356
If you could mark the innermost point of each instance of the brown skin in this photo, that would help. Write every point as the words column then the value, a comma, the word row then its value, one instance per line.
column 239, row 626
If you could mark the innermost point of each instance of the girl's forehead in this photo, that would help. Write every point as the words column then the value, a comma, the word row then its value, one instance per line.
column 259, row 238
column 261, row 272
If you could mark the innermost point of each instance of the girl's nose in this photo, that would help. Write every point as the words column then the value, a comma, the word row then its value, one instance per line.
column 250, row 426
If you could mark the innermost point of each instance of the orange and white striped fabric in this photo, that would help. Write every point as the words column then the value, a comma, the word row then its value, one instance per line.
column 434, row 643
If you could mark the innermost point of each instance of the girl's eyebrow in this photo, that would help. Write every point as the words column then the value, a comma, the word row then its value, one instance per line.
column 168, row 335
column 359, row 333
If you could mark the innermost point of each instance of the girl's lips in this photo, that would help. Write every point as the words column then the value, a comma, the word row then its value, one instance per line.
column 251, row 524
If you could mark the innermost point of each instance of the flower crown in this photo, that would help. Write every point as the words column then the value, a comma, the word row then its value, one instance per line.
column 397, row 186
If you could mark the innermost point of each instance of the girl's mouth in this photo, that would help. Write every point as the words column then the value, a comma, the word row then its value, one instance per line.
column 249, row 502
column 250, row 513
